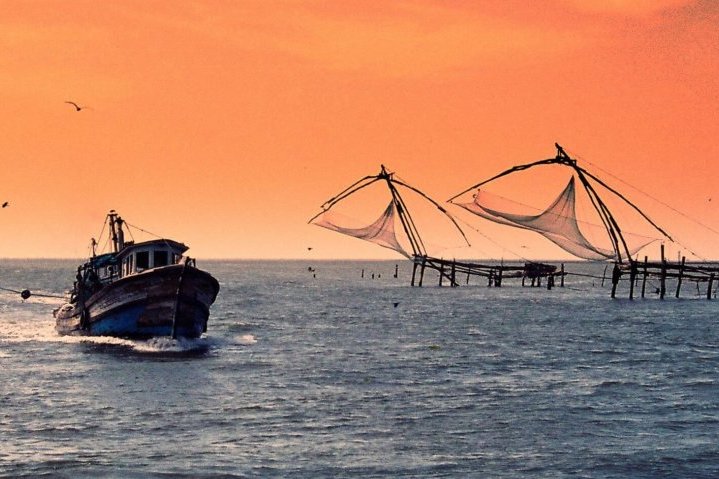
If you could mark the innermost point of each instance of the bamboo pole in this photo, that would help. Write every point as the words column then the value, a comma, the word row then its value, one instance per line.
column 709, row 287
column 604, row 274
column 616, row 273
column 454, row 274
column 421, row 273
column 561, row 281
column 632, row 277
column 663, row 277
column 644, row 280
column 679, row 279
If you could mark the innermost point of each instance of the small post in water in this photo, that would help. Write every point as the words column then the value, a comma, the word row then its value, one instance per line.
column 709, row 287
column 616, row 274
column 663, row 277
column 679, row 279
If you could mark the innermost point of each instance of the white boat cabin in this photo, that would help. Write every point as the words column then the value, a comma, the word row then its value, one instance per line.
column 136, row 258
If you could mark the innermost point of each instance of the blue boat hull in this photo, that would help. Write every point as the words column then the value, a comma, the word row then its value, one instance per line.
column 167, row 301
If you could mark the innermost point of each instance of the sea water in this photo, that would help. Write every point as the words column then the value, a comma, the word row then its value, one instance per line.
column 339, row 369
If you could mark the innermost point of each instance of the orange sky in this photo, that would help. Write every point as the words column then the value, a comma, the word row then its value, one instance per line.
column 226, row 124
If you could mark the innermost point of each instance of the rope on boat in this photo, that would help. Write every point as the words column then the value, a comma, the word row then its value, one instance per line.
column 26, row 293
column 144, row 231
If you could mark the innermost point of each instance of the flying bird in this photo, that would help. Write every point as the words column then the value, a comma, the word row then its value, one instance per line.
column 6, row 204
column 77, row 107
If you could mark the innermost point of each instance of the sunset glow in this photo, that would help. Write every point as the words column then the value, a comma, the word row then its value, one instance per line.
column 225, row 125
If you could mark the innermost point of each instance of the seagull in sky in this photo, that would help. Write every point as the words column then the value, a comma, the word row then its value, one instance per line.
column 6, row 204
column 77, row 107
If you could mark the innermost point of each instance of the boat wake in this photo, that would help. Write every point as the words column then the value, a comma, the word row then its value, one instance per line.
column 29, row 322
column 166, row 345
column 25, row 327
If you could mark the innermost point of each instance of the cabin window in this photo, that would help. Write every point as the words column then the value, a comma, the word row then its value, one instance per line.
column 131, row 262
column 142, row 260
column 160, row 258
column 176, row 258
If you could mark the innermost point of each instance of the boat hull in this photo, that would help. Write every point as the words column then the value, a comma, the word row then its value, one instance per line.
column 171, row 300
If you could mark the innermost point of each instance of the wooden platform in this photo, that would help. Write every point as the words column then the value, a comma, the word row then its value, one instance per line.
column 452, row 271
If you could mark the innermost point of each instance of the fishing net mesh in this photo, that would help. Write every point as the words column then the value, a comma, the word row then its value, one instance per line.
column 381, row 231
column 558, row 222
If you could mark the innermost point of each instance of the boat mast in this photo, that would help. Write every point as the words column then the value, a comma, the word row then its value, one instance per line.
column 116, row 233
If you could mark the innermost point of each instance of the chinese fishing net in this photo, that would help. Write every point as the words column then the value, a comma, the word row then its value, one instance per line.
column 558, row 222
column 381, row 231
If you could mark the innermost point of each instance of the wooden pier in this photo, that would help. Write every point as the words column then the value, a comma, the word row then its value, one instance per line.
column 452, row 271
column 638, row 273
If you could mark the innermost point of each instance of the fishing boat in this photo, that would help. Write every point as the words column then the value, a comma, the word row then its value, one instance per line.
column 139, row 290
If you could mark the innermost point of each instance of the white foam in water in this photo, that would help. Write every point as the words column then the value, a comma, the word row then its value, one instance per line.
column 246, row 339
column 159, row 345
column 22, row 326
column 169, row 345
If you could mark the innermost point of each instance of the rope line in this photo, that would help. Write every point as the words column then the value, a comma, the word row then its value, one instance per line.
column 26, row 293
column 144, row 231
column 492, row 241
column 680, row 213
